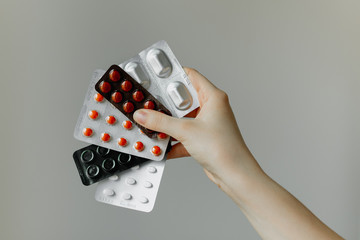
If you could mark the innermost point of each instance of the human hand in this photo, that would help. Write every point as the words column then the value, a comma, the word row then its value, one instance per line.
column 210, row 134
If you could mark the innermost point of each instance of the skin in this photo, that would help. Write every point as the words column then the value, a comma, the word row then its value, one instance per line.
column 273, row 211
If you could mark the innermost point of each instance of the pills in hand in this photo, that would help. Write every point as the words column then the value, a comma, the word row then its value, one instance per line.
column 98, row 97
column 116, row 97
column 156, row 151
column 139, row 146
column 105, row 137
column 127, row 95
column 93, row 114
column 105, row 87
column 162, row 136
column 149, row 104
column 99, row 116
column 127, row 125
column 87, row 132
column 138, row 96
column 110, row 120
column 122, row 142
column 128, row 107
column 126, row 85
column 114, row 75
column 153, row 80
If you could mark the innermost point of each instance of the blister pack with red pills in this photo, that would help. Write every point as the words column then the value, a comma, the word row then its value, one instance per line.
column 127, row 95
column 157, row 70
column 102, row 124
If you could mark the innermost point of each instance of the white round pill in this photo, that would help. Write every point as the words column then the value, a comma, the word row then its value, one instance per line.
column 151, row 169
column 127, row 196
column 148, row 184
column 114, row 178
column 135, row 167
column 108, row 192
column 131, row 181
column 143, row 199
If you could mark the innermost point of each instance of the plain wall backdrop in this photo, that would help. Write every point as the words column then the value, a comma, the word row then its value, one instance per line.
column 291, row 69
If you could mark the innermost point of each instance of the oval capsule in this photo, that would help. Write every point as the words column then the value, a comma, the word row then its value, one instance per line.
column 108, row 192
column 179, row 95
column 135, row 70
column 159, row 63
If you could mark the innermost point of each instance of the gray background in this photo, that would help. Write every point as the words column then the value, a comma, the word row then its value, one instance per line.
column 291, row 69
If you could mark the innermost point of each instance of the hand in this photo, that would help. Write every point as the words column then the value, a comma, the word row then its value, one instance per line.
column 212, row 136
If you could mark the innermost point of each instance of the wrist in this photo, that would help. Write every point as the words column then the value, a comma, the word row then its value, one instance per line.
column 242, row 178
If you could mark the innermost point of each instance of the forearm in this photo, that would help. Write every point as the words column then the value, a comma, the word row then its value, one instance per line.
column 273, row 212
column 214, row 140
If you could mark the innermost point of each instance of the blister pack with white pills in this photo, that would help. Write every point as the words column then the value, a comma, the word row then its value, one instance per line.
column 157, row 70
column 100, row 123
column 135, row 188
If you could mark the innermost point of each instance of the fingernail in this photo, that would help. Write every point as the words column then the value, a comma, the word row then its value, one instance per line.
column 140, row 116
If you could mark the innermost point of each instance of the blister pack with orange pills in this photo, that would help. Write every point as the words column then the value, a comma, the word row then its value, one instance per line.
column 153, row 79
column 158, row 71
column 102, row 124
column 127, row 95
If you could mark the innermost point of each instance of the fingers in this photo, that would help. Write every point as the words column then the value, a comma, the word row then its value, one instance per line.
column 198, row 80
column 160, row 122
column 178, row 151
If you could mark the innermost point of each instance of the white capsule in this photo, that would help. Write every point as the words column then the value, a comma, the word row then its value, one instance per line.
column 135, row 167
column 135, row 70
column 127, row 196
column 143, row 199
column 131, row 181
column 114, row 178
column 179, row 95
column 108, row 192
column 159, row 63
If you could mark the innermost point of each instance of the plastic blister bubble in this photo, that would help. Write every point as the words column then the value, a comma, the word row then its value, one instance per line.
column 135, row 188
column 108, row 129
column 96, row 163
column 158, row 70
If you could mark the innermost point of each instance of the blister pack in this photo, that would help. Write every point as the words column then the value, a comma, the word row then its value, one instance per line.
column 135, row 188
column 95, row 163
column 157, row 70
column 127, row 95
column 100, row 123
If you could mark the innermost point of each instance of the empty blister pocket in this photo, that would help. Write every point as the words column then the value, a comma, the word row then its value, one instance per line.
column 95, row 163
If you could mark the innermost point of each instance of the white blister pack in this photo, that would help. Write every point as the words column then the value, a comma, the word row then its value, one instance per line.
column 157, row 69
column 100, row 123
column 135, row 188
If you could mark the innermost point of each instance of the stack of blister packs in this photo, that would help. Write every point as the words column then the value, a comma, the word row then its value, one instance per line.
column 125, row 159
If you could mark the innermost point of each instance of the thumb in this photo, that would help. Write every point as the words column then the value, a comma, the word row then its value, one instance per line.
column 159, row 122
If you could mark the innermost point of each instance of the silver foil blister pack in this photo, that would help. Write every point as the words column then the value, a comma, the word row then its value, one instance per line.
column 135, row 188
column 157, row 69
column 106, row 127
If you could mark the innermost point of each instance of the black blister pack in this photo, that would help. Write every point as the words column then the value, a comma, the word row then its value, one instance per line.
column 96, row 163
